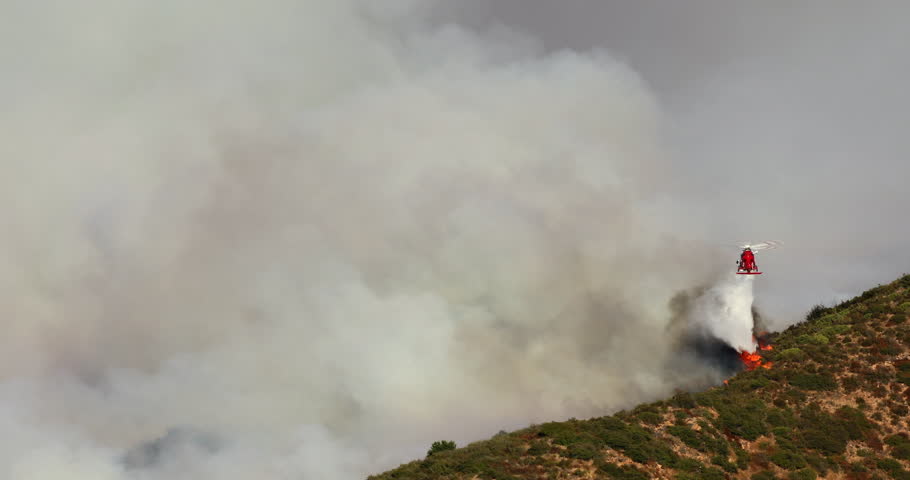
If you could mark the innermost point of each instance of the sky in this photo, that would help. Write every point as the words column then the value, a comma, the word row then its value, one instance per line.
column 306, row 239
column 785, row 120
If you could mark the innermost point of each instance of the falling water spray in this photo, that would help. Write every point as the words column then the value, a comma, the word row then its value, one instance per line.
column 725, row 312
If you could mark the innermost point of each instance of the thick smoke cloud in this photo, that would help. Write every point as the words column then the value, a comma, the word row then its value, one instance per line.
column 305, row 239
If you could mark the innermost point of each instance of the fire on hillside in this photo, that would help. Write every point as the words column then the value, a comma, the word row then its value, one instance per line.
column 753, row 360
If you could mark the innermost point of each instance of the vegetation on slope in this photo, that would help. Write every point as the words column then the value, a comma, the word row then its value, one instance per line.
column 835, row 405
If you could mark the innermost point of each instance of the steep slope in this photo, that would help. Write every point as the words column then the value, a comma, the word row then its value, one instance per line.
column 834, row 404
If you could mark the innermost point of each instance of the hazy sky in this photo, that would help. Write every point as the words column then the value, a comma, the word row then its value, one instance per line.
column 785, row 121
column 317, row 236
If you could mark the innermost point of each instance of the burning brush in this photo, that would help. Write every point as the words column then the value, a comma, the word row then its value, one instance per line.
column 753, row 360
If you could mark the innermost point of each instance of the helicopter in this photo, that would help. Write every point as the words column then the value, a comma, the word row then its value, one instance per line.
column 746, row 263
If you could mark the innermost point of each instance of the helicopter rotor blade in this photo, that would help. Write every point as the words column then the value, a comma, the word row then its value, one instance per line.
column 766, row 245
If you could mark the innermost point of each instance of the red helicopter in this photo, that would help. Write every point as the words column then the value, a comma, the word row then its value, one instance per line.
column 746, row 260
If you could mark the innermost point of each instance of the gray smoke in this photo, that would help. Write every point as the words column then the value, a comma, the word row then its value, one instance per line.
column 305, row 239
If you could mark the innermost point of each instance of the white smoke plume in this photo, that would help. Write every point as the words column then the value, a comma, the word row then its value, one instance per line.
column 288, row 240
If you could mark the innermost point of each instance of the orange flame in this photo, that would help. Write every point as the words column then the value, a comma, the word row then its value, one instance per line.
column 753, row 360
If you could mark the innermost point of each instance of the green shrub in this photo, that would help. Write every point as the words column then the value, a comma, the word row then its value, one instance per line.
column 900, row 446
column 818, row 339
column 788, row 459
column 562, row 433
column 441, row 446
column 794, row 395
column 887, row 348
column 622, row 473
column 691, row 468
column 901, row 451
column 834, row 330
column 792, row 354
column 854, row 422
column 538, row 448
column 649, row 418
column 903, row 371
column 781, row 417
column 749, row 382
column 851, row 383
column 824, row 433
column 633, row 440
column 766, row 475
column 782, row 433
column 804, row 474
column 821, row 464
column 742, row 457
column 809, row 381
column 902, row 365
column 745, row 419
column 893, row 467
column 709, row 397
column 683, row 400
column 680, row 416
column 817, row 312
column 722, row 462
column 687, row 435
column 583, row 451
column 708, row 474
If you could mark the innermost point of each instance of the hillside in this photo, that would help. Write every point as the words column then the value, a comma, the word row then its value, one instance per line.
column 833, row 404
